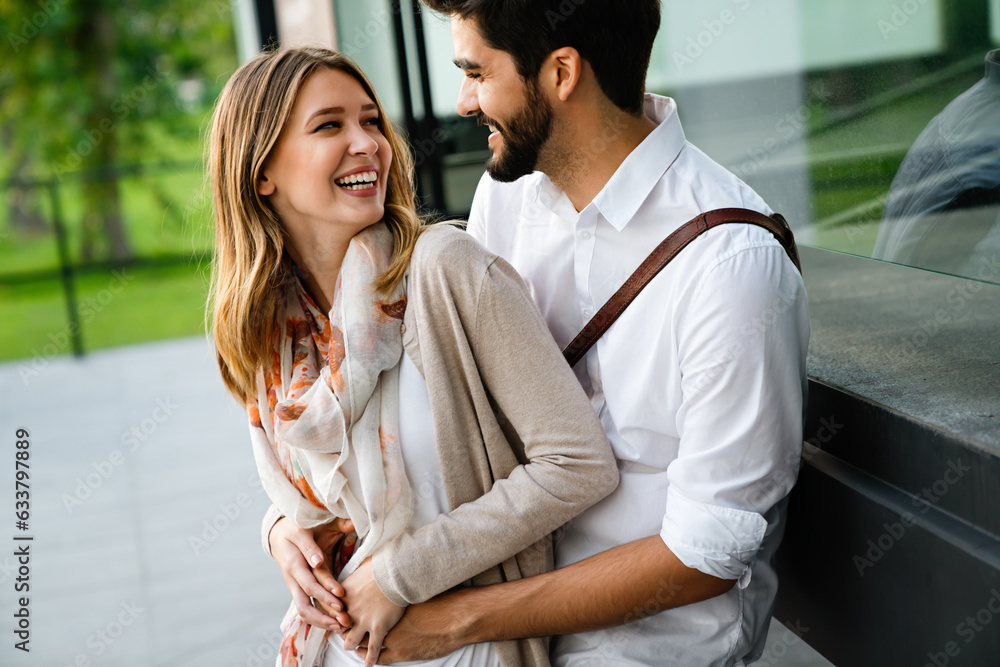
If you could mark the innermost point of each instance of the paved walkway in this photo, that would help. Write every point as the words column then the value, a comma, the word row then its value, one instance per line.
column 145, row 511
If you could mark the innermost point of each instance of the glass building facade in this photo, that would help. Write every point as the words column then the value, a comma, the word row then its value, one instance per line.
column 874, row 127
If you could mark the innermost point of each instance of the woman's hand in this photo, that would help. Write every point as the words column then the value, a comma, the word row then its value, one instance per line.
column 370, row 610
column 291, row 546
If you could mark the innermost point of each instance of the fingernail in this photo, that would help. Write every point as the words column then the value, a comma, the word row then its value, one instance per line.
column 314, row 560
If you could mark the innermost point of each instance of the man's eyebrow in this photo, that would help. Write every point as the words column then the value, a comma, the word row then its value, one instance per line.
column 464, row 64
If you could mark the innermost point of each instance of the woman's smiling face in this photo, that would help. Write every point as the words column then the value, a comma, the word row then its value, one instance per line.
column 330, row 165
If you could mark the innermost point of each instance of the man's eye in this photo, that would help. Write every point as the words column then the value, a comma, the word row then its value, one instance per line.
column 474, row 75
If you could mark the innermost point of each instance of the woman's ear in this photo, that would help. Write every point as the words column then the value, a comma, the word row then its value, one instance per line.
column 565, row 68
column 265, row 188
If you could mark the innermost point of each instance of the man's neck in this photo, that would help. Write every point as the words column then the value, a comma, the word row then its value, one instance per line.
column 592, row 153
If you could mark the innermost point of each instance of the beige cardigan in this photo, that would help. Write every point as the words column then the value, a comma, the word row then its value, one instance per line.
column 482, row 347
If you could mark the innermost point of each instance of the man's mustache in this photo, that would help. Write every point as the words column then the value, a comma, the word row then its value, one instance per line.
column 483, row 120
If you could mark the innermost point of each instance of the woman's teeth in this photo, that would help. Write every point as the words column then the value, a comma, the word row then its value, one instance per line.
column 362, row 181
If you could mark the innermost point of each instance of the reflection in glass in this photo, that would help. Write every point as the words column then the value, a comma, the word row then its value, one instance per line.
column 942, row 209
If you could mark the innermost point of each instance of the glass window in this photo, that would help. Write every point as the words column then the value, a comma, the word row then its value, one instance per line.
column 995, row 20
column 365, row 33
column 868, row 123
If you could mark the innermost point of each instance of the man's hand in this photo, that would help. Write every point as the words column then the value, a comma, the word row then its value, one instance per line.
column 294, row 549
column 372, row 613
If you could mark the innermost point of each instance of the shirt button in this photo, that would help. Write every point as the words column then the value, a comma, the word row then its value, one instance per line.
column 588, row 313
column 585, row 236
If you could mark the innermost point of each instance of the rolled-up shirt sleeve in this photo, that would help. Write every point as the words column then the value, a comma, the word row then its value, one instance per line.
column 741, row 348
column 720, row 541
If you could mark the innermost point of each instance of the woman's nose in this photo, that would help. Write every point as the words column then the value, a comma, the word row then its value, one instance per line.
column 362, row 142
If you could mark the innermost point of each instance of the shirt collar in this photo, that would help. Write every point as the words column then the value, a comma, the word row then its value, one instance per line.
column 634, row 180
column 993, row 66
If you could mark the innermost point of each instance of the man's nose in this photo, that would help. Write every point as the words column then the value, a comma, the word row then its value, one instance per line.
column 468, row 100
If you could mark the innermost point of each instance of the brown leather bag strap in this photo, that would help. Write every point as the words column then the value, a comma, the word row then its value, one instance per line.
column 661, row 256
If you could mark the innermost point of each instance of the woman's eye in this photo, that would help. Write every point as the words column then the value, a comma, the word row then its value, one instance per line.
column 374, row 121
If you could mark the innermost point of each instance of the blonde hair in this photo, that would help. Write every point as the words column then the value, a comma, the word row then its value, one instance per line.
column 248, row 263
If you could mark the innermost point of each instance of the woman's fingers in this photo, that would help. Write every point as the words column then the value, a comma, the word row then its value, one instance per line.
column 303, row 565
column 306, row 610
column 338, row 614
column 303, row 539
column 354, row 637
column 375, row 638
column 328, row 534
column 327, row 581
column 343, row 526
column 301, row 580
column 306, row 578
column 372, row 611
column 314, row 544
column 314, row 578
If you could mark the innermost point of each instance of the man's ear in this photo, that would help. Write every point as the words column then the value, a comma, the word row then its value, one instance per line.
column 563, row 70
column 265, row 188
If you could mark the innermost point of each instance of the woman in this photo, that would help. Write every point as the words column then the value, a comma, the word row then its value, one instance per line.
column 372, row 353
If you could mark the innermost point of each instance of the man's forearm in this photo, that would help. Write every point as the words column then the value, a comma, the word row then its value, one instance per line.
column 618, row 586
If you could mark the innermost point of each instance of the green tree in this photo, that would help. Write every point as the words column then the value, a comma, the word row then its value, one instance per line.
column 89, row 85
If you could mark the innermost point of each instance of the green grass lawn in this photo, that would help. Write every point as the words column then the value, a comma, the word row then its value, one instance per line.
column 164, row 214
column 167, row 216
column 134, row 306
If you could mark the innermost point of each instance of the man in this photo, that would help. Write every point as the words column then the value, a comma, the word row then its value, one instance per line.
column 941, row 213
column 700, row 384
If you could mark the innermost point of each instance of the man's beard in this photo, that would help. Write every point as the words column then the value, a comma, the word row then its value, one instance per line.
column 523, row 138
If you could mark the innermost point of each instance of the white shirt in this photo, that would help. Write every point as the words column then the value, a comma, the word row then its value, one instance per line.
column 700, row 384
column 423, row 471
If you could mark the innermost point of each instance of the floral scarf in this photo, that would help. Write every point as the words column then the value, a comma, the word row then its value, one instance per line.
column 324, row 424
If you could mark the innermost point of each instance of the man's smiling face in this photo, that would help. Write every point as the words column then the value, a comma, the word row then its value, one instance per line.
column 518, row 116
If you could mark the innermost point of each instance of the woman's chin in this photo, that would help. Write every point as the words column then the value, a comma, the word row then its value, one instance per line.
column 364, row 219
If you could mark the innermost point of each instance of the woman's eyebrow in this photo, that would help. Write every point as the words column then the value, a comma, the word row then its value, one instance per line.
column 337, row 110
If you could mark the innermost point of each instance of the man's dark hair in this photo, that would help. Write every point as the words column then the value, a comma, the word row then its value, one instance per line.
column 615, row 37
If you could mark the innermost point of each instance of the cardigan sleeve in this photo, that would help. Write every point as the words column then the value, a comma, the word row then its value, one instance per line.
column 570, row 464
column 271, row 517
